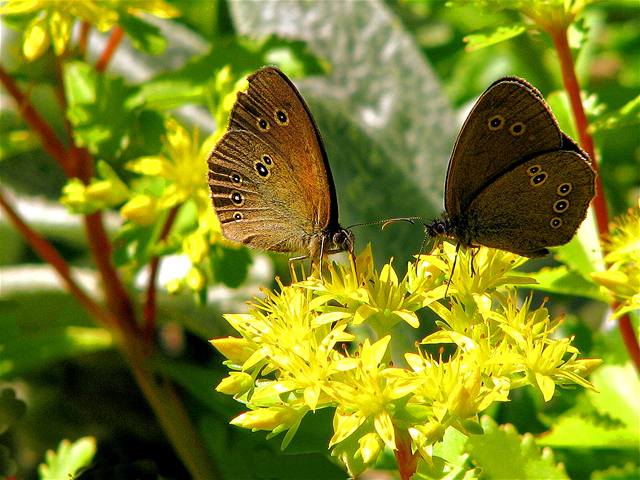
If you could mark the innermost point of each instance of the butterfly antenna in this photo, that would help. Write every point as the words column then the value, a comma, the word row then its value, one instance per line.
column 386, row 222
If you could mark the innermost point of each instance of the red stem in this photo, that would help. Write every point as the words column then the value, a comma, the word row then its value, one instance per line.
column 117, row 297
column 407, row 461
column 50, row 141
column 571, row 85
column 116, row 35
column 49, row 254
column 83, row 40
column 149, row 312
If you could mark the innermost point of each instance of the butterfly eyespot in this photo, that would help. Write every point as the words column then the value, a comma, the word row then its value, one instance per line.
column 237, row 216
column 262, row 170
column 564, row 189
column 555, row 222
column 263, row 124
column 517, row 129
column 496, row 122
column 533, row 169
column 267, row 159
column 282, row 118
column 560, row 205
column 539, row 179
column 236, row 198
column 236, row 178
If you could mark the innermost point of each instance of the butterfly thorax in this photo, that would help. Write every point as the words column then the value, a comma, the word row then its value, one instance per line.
column 330, row 240
column 459, row 228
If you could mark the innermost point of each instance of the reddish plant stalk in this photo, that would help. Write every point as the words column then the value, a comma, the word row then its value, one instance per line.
column 406, row 459
column 50, row 142
column 49, row 254
column 83, row 39
column 121, row 315
column 571, row 85
column 116, row 36
column 117, row 297
column 149, row 311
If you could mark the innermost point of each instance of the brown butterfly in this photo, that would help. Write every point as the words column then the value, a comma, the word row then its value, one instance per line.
column 515, row 181
column 270, row 179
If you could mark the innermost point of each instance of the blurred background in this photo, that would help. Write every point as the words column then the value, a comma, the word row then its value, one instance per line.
column 389, row 84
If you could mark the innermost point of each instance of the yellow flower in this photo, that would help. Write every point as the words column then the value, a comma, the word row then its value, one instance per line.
column 294, row 348
column 267, row 418
column 140, row 209
column 107, row 190
column 622, row 247
column 53, row 21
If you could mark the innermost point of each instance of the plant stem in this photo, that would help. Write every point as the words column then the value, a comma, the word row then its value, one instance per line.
column 116, row 296
column 571, row 85
column 407, row 461
column 83, row 40
column 50, row 142
column 171, row 414
column 116, row 35
column 49, row 254
column 149, row 312
column 560, row 40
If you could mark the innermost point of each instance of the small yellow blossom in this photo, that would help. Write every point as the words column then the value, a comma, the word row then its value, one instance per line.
column 140, row 209
column 622, row 248
column 297, row 348
column 53, row 20
column 237, row 383
column 101, row 193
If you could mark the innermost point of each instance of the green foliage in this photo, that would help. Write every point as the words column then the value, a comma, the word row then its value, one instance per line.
column 68, row 460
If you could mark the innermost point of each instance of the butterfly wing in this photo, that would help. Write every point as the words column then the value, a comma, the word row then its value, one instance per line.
column 509, row 123
column 269, row 175
column 272, row 98
column 539, row 203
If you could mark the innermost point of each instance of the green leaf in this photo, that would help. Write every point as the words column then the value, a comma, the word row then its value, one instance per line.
column 242, row 454
column 502, row 453
column 69, row 459
column 229, row 265
column 8, row 465
column 11, row 409
column 143, row 36
column 627, row 472
column 47, row 327
column 99, row 108
column 626, row 116
column 190, row 83
column 476, row 41
column 565, row 282
column 608, row 419
column 388, row 125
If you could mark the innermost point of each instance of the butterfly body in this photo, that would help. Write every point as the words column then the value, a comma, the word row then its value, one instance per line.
column 515, row 182
column 270, row 179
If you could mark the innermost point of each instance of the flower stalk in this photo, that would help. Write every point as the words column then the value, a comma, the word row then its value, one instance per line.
column 559, row 36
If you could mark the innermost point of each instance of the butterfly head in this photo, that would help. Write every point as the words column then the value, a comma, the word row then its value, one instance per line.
column 437, row 228
column 342, row 240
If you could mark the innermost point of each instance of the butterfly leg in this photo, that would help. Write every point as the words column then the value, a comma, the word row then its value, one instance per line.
column 474, row 251
column 292, row 268
column 453, row 268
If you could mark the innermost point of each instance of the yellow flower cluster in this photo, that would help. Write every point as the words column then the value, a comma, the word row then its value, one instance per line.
column 622, row 278
column 53, row 20
column 329, row 342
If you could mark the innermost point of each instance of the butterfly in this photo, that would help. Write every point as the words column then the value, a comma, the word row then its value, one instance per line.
column 269, row 175
column 515, row 181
